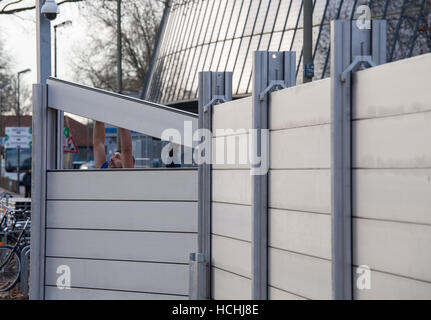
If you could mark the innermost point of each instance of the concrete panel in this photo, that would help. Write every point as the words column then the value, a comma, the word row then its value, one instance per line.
column 234, row 115
column 390, row 287
column 393, row 247
column 300, row 190
column 176, row 185
column 231, row 255
column 399, row 195
column 122, row 275
column 231, row 220
column 121, row 245
column 304, row 148
column 111, row 215
column 302, row 275
column 393, row 142
column 228, row 286
column 299, row 274
column 53, row 293
column 301, row 232
column 232, row 186
column 394, row 88
column 303, row 105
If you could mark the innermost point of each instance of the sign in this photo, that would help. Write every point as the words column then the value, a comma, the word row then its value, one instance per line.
column 70, row 146
column 18, row 137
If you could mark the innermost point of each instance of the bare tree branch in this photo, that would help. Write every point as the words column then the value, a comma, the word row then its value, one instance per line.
column 97, row 63
column 22, row 9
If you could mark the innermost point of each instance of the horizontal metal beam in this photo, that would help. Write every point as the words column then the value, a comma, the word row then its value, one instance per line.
column 125, row 112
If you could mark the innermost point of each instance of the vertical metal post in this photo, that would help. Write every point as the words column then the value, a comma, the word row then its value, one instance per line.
column 40, row 153
column 119, row 50
column 60, row 114
column 214, row 88
column 1, row 120
column 378, row 39
column 271, row 71
column 351, row 48
column 18, row 113
column 60, row 140
column 308, row 41
column 416, row 27
column 156, row 48
column 119, row 63
column 18, row 153
column 39, row 161
column 43, row 28
column 55, row 51
column 341, row 161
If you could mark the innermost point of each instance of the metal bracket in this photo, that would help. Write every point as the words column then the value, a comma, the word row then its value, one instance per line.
column 215, row 100
column 197, row 265
column 274, row 85
column 358, row 60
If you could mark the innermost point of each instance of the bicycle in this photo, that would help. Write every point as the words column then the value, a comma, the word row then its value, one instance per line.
column 10, row 263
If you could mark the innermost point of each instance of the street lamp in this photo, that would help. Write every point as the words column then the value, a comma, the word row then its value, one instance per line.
column 17, row 109
column 63, row 24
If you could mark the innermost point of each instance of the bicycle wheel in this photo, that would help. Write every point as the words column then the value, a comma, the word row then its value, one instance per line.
column 10, row 268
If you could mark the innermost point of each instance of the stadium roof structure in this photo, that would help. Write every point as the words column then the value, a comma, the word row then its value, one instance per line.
column 221, row 35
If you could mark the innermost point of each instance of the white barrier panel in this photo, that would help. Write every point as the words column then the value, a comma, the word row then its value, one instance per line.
column 299, row 197
column 118, row 110
column 391, row 195
column 231, row 203
column 123, row 234
column 300, row 193
column 391, row 187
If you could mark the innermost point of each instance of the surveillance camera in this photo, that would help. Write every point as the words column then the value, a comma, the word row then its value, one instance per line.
column 50, row 9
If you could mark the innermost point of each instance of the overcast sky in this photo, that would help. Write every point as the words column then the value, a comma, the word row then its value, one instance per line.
column 18, row 33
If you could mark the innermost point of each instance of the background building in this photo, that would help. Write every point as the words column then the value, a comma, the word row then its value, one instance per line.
column 220, row 35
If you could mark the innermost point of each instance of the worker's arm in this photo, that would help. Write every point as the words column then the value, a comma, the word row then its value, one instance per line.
column 126, row 148
column 99, row 144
